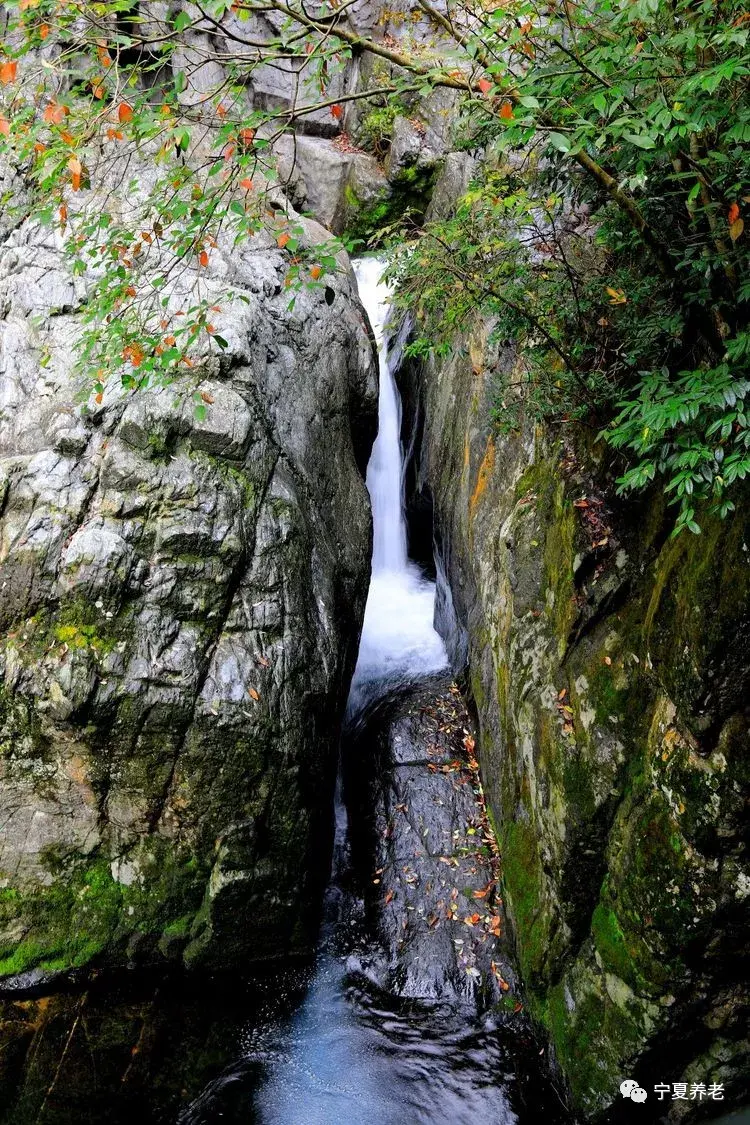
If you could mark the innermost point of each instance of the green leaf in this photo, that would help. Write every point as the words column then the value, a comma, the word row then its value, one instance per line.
column 641, row 140
column 559, row 141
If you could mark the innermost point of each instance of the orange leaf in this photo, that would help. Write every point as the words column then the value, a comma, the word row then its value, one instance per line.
column 114, row 134
column 98, row 397
column 246, row 136
column 506, row 111
column 485, row 85
column 253, row 694
column 170, row 341
column 8, row 72
column 124, row 113
column 203, row 258
column 246, row 184
column 44, row 31
column 4, row 127
column 315, row 272
column 733, row 214
column 389, row 897
column 337, row 111
column 75, row 168
column 63, row 213
column 207, row 397
column 282, row 240
column 54, row 114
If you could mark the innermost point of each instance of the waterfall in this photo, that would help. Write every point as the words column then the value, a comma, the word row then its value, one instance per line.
column 399, row 642
column 385, row 469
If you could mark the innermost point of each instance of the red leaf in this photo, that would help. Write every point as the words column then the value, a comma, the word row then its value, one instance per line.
column 485, row 85
column 337, row 111
column 203, row 258
column 506, row 111
column 124, row 113
column 734, row 213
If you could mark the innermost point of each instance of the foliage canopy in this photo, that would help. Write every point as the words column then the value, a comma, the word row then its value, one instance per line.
column 604, row 228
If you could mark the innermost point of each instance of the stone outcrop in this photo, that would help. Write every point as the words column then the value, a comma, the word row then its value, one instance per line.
column 609, row 668
column 181, row 593
column 418, row 817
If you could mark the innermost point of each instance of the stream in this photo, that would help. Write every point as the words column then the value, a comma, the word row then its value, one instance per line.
column 351, row 1052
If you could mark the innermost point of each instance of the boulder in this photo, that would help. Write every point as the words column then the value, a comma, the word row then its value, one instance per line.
column 181, row 596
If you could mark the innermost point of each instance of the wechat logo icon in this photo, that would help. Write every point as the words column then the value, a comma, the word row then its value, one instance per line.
column 630, row 1089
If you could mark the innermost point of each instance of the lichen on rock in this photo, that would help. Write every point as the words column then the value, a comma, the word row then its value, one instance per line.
column 181, row 598
column 610, row 675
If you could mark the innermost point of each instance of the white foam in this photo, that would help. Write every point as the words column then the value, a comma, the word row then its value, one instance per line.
column 399, row 641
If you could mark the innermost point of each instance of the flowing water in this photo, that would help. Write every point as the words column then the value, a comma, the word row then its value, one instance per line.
column 399, row 642
column 347, row 1053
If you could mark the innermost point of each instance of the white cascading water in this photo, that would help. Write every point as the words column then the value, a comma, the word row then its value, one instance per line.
column 399, row 641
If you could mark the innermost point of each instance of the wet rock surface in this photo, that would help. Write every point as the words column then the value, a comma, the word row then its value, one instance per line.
column 606, row 667
column 434, row 892
column 181, row 596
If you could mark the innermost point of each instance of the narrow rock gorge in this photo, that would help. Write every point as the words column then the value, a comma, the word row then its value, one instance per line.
column 374, row 585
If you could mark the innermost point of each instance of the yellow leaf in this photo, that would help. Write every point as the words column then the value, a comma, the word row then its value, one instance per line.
column 617, row 296
column 736, row 229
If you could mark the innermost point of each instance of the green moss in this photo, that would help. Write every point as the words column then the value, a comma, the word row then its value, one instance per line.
column 85, row 636
column 522, row 878
column 595, row 1039
column 610, row 943
column 376, row 128
column 410, row 193
column 85, row 913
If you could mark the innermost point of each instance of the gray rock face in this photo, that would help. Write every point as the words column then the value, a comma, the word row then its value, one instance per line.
column 181, row 599
column 330, row 182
